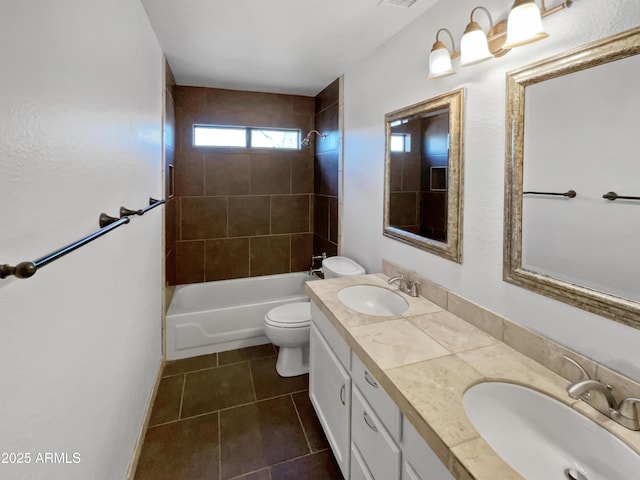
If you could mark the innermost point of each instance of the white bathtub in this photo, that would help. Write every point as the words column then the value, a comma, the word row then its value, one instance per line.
column 228, row 314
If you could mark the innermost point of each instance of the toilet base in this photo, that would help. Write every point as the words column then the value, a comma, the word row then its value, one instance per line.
column 293, row 361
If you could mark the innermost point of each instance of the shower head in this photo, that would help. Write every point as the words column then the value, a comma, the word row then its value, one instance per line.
column 306, row 141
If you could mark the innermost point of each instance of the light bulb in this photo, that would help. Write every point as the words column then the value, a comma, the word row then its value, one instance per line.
column 439, row 61
column 474, row 47
column 524, row 25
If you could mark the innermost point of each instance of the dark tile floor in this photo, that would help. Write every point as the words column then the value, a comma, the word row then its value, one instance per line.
column 230, row 416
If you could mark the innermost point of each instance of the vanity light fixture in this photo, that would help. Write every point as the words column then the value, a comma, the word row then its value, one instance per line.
column 523, row 26
column 440, row 58
column 474, row 46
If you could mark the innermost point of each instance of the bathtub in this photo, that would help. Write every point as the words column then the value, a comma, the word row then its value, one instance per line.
column 224, row 315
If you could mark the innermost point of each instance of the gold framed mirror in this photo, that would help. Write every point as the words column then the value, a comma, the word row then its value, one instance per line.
column 424, row 175
column 571, row 143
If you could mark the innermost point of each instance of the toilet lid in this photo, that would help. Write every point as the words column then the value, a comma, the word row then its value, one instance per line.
column 290, row 315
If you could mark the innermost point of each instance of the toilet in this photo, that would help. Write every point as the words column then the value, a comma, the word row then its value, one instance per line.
column 288, row 326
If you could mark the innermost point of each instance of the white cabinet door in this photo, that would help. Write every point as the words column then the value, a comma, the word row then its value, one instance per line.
column 330, row 393
column 420, row 462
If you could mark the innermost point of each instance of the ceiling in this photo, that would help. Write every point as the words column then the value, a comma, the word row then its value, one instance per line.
column 278, row 46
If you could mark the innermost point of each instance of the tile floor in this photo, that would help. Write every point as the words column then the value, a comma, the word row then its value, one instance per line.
column 230, row 416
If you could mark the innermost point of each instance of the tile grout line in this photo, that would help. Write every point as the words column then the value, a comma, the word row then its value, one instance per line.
column 298, row 458
column 253, row 385
column 304, row 431
column 244, row 475
column 217, row 366
column 219, row 445
column 230, row 408
column 184, row 383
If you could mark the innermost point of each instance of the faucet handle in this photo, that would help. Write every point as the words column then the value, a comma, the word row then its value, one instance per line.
column 584, row 375
column 629, row 408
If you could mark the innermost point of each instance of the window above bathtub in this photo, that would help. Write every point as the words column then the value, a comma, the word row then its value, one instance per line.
column 226, row 136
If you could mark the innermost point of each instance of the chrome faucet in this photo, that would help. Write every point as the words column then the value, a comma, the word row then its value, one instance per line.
column 582, row 389
column 405, row 285
column 625, row 413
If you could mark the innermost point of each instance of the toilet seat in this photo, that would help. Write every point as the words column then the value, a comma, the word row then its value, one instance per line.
column 290, row 315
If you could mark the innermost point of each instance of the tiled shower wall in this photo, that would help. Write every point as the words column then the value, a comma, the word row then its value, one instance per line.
column 241, row 212
column 326, row 171
column 169, row 158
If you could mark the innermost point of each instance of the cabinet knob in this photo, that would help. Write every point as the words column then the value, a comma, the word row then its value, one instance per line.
column 342, row 389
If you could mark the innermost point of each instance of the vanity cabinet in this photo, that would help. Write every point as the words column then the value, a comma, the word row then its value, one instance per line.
column 330, row 394
column 365, row 428
column 419, row 462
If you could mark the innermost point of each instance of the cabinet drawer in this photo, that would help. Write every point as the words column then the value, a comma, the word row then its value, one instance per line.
column 331, row 335
column 378, row 449
column 359, row 470
column 420, row 462
column 381, row 403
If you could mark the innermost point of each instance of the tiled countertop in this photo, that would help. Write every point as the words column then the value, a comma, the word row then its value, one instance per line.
column 426, row 358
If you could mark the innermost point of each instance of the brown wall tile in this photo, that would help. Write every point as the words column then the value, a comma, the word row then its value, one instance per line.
column 327, row 124
column 169, row 131
column 411, row 173
column 189, row 98
column 170, row 267
column 226, row 258
column 189, row 174
column 290, row 214
column 270, row 255
column 395, row 172
column 226, row 174
column 189, row 262
column 233, row 184
column 171, row 219
column 328, row 96
column 203, row 217
column 248, row 216
column 302, row 173
column 321, row 215
column 403, row 209
column 333, row 220
column 301, row 251
column 270, row 174
column 326, row 173
column 321, row 245
column 302, row 105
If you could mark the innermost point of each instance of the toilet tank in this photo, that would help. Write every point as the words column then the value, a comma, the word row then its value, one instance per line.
column 335, row 267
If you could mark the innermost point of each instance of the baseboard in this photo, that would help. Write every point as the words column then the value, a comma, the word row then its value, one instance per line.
column 143, row 429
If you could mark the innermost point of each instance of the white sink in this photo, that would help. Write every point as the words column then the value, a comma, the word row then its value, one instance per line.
column 373, row 300
column 541, row 438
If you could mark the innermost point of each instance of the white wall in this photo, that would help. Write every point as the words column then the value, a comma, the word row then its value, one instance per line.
column 393, row 77
column 80, row 133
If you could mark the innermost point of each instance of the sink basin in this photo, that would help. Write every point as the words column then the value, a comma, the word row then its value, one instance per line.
column 373, row 300
column 543, row 439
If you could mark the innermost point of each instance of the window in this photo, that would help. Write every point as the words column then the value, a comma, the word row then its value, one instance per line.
column 400, row 142
column 245, row 137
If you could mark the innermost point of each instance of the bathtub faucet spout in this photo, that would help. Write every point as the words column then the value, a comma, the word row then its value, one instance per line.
column 317, row 270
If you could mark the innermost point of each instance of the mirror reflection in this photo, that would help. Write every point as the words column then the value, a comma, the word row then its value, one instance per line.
column 570, row 143
column 423, row 178
column 419, row 152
